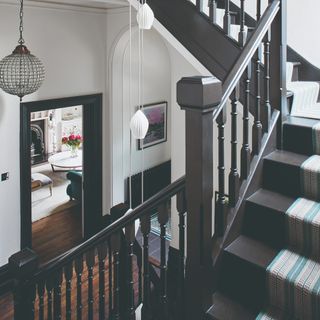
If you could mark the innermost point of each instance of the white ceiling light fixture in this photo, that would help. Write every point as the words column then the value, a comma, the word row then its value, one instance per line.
column 145, row 17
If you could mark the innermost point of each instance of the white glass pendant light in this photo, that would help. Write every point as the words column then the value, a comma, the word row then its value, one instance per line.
column 139, row 125
column 145, row 17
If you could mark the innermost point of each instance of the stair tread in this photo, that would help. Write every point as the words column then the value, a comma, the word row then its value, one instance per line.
column 272, row 200
column 252, row 251
column 225, row 308
column 300, row 122
column 287, row 157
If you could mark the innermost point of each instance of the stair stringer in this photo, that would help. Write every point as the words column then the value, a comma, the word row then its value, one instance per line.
column 193, row 35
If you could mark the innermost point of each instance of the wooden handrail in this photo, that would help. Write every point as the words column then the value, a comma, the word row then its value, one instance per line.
column 139, row 212
column 247, row 54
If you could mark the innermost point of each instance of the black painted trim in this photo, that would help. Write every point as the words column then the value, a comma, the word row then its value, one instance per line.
column 6, row 281
column 92, row 168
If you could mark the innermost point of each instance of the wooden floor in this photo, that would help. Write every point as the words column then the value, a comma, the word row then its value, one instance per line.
column 57, row 233
column 51, row 237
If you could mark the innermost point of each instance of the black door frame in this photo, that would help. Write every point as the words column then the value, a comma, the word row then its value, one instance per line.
column 92, row 161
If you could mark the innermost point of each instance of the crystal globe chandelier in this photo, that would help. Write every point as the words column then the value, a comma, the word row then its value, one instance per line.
column 21, row 73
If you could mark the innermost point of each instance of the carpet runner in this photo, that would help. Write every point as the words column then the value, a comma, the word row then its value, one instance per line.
column 293, row 277
column 310, row 175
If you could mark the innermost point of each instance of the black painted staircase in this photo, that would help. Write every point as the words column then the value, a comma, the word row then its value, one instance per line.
column 243, row 289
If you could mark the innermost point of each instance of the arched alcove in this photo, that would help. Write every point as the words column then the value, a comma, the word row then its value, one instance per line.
column 156, row 88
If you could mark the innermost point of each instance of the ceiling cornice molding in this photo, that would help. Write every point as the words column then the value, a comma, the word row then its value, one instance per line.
column 60, row 6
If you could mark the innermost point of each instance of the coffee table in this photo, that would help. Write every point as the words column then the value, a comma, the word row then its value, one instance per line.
column 65, row 162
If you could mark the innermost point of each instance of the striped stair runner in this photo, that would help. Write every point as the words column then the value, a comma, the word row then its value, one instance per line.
column 303, row 227
column 293, row 277
column 294, row 285
column 310, row 178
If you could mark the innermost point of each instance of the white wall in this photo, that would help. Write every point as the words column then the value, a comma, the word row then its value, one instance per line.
column 156, row 87
column 72, row 46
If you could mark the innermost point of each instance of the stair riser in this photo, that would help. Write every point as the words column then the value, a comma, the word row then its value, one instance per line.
column 282, row 178
column 264, row 224
column 298, row 139
column 243, row 281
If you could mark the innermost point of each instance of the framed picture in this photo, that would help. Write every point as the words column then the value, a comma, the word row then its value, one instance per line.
column 157, row 133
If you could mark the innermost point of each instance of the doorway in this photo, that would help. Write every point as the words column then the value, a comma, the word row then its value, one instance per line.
column 61, row 173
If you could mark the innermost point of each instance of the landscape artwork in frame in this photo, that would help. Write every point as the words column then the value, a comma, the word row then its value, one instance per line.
column 157, row 116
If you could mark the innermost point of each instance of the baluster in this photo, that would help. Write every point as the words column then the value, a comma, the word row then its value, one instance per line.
column 245, row 151
column 227, row 18
column 102, row 254
column 110, row 271
column 90, row 257
column 130, row 238
column 68, row 273
column 234, row 179
column 163, row 218
column 199, row 5
column 79, row 270
column 116, row 245
column 139, row 262
column 146, row 307
column 41, row 291
column 57, row 296
column 242, row 34
column 258, row 10
column 49, row 287
column 267, row 80
column 212, row 4
column 220, row 216
column 257, row 125
column 182, row 209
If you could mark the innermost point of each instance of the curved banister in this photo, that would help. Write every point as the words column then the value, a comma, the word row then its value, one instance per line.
column 247, row 54
column 116, row 226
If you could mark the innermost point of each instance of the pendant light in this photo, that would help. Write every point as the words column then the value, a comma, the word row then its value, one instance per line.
column 145, row 17
column 21, row 73
column 139, row 125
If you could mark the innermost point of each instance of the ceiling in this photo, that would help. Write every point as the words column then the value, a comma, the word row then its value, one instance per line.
column 102, row 4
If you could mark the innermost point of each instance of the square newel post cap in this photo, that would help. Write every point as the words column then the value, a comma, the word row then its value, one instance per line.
column 23, row 263
column 199, row 93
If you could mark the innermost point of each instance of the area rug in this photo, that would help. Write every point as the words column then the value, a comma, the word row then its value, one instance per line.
column 43, row 204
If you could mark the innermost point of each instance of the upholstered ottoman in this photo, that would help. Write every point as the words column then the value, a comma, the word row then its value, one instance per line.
column 39, row 180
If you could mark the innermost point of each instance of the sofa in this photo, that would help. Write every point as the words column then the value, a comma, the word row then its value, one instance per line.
column 74, row 189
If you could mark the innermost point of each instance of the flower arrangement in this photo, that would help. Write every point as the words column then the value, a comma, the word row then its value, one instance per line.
column 73, row 141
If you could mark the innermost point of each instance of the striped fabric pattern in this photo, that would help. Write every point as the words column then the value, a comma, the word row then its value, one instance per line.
column 294, row 285
column 316, row 138
column 272, row 314
column 310, row 178
column 303, row 227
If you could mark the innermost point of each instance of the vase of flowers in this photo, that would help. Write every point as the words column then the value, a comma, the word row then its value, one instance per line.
column 73, row 141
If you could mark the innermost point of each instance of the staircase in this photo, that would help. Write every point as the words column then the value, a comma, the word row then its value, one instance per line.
column 273, row 265
column 261, row 261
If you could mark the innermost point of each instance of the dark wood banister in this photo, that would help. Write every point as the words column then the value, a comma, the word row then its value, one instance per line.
column 116, row 226
column 247, row 54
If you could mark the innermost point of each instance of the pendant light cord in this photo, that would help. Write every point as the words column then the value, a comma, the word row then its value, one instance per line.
column 142, row 107
column 21, row 40
column 130, row 100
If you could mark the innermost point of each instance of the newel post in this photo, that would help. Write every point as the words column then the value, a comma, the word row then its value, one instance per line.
column 22, row 266
column 199, row 96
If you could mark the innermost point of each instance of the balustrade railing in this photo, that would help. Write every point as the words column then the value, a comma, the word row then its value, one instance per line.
column 103, row 277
